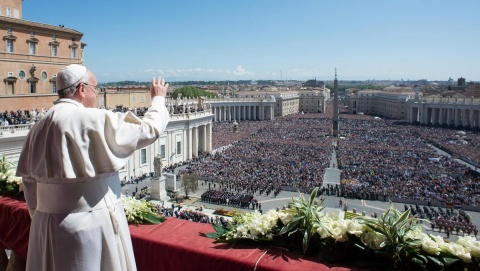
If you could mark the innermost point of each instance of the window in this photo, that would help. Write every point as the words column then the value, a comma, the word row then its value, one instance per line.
column 21, row 75
column 44, row 75
column 33, row 87
column 162, row 151
column 143, row 98
column 54, row 87
column 134, row 99
column 9, row 46
column 179, row 147
column 54, row 50
column 73, row 52
column 9, row 12
column 100, row 101
column 143, row 156
column 32, row 48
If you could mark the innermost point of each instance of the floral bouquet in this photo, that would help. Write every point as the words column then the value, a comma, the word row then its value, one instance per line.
column 221, row 211
column 141, row 211
column 393, row 241
column 9, row 183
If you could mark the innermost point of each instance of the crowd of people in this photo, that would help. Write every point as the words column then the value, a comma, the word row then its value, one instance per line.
column 18, row 117
column 290, row 153
column 223, row 197
column 380, row 159
column 191, row 215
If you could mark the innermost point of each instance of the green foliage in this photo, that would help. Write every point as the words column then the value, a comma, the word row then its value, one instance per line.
column 395, row 226
column 394, row 241
column 140, row 211
column 192, row 92
column 306, row 218
column 9, row 184
column 189, row 183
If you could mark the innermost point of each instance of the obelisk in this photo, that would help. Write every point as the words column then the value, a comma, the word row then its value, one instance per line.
column 335, row 106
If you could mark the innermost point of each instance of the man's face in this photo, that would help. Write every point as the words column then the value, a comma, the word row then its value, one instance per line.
column 90, row 91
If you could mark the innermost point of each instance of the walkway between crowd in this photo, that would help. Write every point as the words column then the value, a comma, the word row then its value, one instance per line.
column 332, row 173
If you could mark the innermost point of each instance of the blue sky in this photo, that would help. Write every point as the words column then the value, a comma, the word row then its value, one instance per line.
column 272, row 39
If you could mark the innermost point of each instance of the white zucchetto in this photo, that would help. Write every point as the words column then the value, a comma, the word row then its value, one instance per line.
column 70, row 75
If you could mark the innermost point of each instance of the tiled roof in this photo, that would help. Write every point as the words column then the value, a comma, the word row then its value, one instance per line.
column 4, row 19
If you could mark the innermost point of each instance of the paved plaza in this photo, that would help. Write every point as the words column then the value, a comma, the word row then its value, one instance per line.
column 331, row 204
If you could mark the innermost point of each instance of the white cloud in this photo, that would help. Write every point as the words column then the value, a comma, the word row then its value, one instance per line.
column 240, row 71
column 201, row 73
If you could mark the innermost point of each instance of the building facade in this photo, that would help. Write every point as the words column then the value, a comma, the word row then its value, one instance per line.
column 311, row 101
column 454, row 112
column 31, row 54
column 286, row 102
column 389, row 103
column 186, row 135
column 251, row 108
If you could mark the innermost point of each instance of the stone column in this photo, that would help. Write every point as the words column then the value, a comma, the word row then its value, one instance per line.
column 209, row 137
column 424, row 115
column 190, row 143
column 204, row 138
column 195, row 141
column 440, row 116
column 456, row 117
column 471, row 120
column 254, row 112
column 449, row 116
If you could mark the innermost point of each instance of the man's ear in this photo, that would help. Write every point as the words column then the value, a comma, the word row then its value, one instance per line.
column 80, row 93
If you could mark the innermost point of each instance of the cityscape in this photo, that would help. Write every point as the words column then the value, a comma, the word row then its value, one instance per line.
column 253, row 145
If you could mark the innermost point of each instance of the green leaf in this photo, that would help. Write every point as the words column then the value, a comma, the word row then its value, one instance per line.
column 402, row 218
column 419, row 261
column 377, row 229
column 212, row 235
column 313, row 195
column 306, row 241
column 292, row 224
column 449, row 261
column 435, row 261
column 153, row 218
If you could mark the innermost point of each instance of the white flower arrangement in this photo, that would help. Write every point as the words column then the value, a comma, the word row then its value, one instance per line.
column 394, row 240
column 9, row 183
column 140, row 211
column 255, row 226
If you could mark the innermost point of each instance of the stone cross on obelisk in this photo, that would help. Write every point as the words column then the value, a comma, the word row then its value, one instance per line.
column 335, row 106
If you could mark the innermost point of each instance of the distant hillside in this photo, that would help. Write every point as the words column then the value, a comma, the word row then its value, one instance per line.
column 190, row 83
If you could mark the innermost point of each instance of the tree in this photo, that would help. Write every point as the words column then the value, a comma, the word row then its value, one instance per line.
column 192, row 92
column 189, row 184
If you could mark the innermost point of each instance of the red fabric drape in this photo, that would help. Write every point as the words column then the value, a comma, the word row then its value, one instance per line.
column 171, row 246
column 177, row 245
column 14, row 225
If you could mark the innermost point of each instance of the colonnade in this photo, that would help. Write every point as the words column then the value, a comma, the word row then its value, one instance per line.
column 455, row 114
column 242, row 112
column 199, row 139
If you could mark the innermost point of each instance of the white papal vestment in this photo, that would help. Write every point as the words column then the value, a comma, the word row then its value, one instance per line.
column 69, row 166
